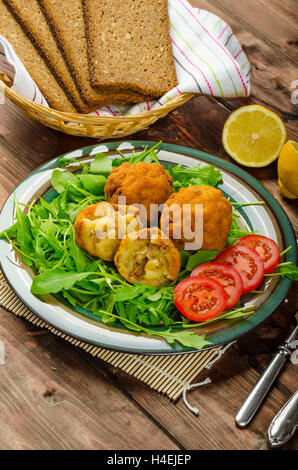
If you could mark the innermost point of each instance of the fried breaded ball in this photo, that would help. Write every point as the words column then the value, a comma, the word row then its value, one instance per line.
column 100, row 227
column 148, row 257
column 142, row 183
column 217, row 217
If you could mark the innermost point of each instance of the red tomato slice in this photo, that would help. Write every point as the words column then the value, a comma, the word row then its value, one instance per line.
column 200, row 298
column 247, row 262
column 265, row 247
column 227, row 276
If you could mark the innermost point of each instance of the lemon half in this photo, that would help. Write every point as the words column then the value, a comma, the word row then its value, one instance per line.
column 254, row 136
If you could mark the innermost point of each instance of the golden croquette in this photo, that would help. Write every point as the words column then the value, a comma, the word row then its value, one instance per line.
column 141, row 183
column 100, row 227
column 217, row 216
column 148, row 257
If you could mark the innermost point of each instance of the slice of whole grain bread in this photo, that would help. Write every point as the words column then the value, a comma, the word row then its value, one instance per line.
column 34, row 24
column 33, row 62
column 67, row 23
column 129, row 45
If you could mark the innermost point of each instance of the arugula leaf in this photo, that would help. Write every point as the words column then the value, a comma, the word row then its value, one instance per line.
column 154, row 297
column 55, row 280
column 149, row 155
column 24, row 235
column 235, row 232
column 53, row 242
column 129, row 292
column 61, row 179
column 227, row 315
column 79, row 256
column 185, row 338
column 95, row 184
column 195, row 176
column 64, row 162
column 237, row 314
column 202, row 256
column 290, row 272
column 11, row 232
column 102, row 163
column 71, row 299
column 49, row 207
column 184, row 255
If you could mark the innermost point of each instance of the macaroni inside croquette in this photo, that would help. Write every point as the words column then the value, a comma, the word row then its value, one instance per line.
column 100, row 227
column 148, row 257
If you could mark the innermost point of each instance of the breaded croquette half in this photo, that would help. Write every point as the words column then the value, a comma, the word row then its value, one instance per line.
column 148, row 257
column 100, row 227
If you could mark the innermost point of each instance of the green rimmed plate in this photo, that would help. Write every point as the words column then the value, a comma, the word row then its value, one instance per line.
column 269, row 220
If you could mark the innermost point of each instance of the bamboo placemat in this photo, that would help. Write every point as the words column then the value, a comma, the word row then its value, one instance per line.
column 169, row 375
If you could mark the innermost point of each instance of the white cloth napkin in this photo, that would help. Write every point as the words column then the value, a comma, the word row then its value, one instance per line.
column 209, row 60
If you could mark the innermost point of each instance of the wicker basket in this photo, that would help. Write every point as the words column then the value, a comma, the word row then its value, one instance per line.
column 91, row 126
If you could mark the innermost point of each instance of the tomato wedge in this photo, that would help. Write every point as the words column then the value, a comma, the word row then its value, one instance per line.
column 247, row 262
column 227, row 276
column 265, row 247
column 200, row 298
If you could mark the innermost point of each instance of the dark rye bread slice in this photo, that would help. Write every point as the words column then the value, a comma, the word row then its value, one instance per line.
column 67, row 23
column 33, row 62
column 34, row 24
column 129, row 45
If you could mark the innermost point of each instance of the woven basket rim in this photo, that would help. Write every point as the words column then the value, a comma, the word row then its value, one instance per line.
column 30, row 105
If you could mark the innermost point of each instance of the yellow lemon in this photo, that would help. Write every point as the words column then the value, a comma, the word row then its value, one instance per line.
column 288, row 170
column 254, row 136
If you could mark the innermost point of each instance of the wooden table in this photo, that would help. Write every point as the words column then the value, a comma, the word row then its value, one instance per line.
column 86, row 404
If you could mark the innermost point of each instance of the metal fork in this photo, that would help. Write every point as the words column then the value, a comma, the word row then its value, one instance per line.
column 285, row 423
column 257, row 395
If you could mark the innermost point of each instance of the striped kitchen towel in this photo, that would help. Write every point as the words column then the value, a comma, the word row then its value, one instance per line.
column 209, row 60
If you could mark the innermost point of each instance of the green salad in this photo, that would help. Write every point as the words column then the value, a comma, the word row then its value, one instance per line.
column 43, row 234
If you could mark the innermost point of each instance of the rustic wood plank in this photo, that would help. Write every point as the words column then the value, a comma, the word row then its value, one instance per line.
column 75, row 407
column 284, row 10
column 25, row 136
column 258, row 17
column 7, row 184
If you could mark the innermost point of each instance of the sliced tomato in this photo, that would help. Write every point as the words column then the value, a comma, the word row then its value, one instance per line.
column 227, row 276
column 200, row 298
column 247, row 262
column 265, row 247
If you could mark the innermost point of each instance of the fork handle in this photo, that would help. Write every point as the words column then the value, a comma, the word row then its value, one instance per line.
column 257, row 395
